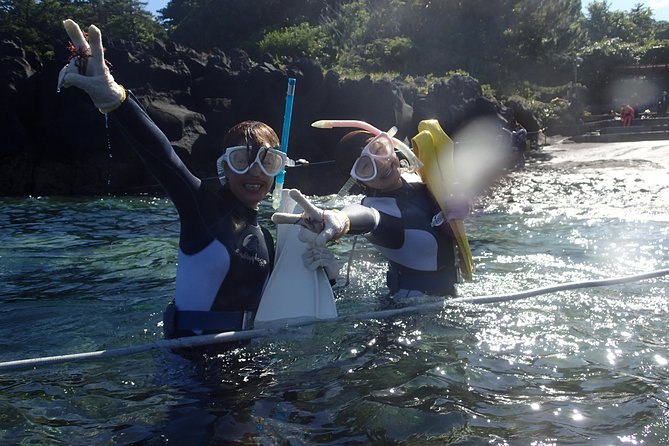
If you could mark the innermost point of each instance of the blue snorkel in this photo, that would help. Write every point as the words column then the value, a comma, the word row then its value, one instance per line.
column 287, row 115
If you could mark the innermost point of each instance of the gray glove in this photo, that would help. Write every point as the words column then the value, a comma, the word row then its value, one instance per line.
column 88, row 70
column 457, row 207
column 318, row 256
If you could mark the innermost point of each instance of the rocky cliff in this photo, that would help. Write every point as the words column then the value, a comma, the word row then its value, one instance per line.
column 58, row 144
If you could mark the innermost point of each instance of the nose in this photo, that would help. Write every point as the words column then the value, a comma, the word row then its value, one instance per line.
column 255, row 169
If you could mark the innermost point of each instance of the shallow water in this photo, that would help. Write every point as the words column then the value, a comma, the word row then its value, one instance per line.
column 587, row 366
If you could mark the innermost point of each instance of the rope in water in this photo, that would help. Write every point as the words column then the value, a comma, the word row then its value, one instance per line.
column 230, row 336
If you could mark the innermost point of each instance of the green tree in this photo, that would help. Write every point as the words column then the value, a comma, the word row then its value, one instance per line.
column 603, row 23
column 368, row 35
column 637, row 25
column 619, row 39
column 235, row 23
column 176, row 12
column 301, row 40
column 451, row 34
column 644, row 27
column 39, row 23
column 545, row 30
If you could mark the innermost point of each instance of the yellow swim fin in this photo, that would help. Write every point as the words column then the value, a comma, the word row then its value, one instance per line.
column 435, row 149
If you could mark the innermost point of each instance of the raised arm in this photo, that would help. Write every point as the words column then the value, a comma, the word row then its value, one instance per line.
column 88, row 71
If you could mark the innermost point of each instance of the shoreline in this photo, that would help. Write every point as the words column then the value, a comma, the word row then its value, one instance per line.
column 561, row 152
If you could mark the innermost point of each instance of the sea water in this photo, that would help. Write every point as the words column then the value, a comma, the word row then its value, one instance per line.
column 587, row 366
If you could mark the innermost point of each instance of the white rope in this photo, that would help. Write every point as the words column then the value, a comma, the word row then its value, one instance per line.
column 229, row 336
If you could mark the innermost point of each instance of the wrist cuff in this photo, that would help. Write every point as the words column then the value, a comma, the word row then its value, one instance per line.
column 124, row 96
column 347, row 221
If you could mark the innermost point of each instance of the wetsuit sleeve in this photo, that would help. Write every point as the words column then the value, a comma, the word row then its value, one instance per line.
column 363, row 219
column 379, row 227
column 157, row 154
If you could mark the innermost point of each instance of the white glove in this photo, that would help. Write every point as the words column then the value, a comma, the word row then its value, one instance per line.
column 319, row 256
column 457, row 208
column 88, row 70
column 327, row 224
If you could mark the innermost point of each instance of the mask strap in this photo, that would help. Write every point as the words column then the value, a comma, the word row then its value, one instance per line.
column 346, row 187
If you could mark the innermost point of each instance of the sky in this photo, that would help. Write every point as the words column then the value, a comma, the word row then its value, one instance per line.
column 660, row 8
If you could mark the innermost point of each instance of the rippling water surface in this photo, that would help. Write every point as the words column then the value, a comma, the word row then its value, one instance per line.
column 587, row 366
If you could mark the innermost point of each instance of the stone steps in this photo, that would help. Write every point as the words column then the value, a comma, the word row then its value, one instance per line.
column 634, row 129
column 622, row 137
column 611, row 130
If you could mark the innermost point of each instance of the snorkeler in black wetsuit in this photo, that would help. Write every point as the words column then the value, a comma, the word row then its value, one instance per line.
column 421, row 256
column 225, row 257
column 397, row 216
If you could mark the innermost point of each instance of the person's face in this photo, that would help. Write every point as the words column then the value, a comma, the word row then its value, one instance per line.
column 250, row 187
column 377, row 166
column 388, row 175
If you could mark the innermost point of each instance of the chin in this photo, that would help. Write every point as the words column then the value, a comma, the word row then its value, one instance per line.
column 256, row 196
column 388, row 183
column 250, row 197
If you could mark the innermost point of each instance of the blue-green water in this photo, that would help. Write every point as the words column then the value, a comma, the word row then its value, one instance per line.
column 587, row 366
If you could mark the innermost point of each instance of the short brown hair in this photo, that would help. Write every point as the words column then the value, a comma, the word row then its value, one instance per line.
column 253, row 134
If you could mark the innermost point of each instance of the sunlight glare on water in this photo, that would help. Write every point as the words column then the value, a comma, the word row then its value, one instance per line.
column 586, row 366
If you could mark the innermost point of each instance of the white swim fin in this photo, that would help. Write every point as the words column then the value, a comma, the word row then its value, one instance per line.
column 294, row 293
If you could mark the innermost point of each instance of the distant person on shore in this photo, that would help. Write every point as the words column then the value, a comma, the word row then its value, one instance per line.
column 662, row 104
column 225, row 257
column 627, row 115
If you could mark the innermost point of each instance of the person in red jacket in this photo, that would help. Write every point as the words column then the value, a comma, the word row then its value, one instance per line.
column 627, row 115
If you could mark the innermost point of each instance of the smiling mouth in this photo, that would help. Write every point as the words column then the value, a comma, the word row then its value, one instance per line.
column 252, row 187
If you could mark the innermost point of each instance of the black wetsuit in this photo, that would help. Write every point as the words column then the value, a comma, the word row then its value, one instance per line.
column 224, row 258
column 421, row 257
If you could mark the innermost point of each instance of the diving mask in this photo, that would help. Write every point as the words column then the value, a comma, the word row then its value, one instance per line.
column 271, row 160
column 413, row 164
column 379, row 148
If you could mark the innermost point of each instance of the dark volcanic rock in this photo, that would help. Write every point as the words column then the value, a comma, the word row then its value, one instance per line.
column 59, row 144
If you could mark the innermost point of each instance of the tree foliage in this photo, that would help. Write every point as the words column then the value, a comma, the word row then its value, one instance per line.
column 505, row 43
column 234, row 23
column 501, row 41
column 301, row 40
column 38, row 24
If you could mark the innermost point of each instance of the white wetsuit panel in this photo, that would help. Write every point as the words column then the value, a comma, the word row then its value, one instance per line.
column 419, row 251
column 421, row 257
column 386, row 205
column 200, row 276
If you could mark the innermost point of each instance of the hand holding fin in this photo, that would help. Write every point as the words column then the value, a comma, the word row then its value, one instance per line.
column 328, row 224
